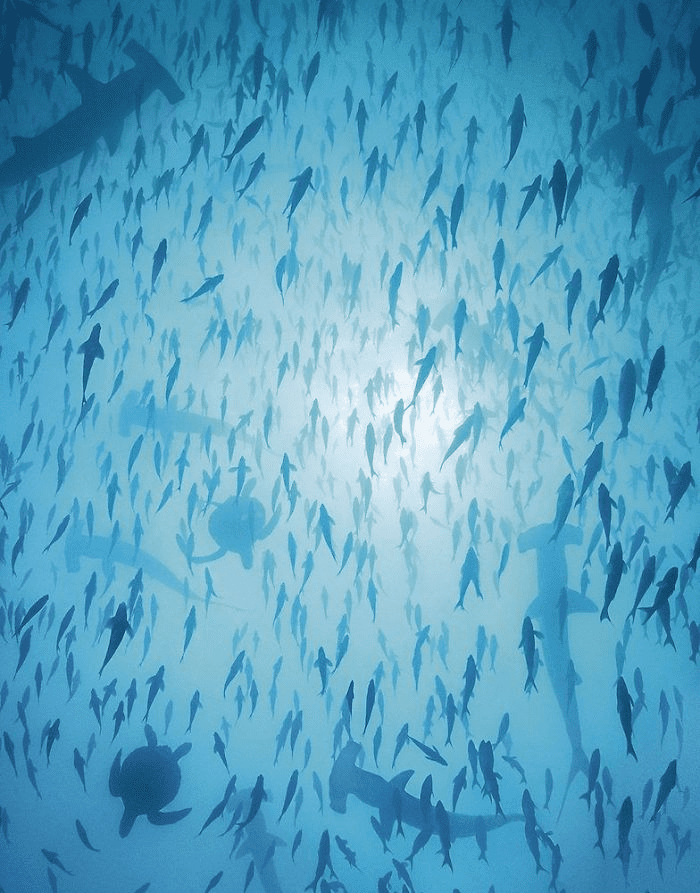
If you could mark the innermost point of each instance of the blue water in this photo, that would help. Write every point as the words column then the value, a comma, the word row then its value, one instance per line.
column 354, row 601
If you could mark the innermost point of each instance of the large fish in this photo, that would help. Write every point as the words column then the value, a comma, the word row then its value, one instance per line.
column 552, row 578
column 101, row 114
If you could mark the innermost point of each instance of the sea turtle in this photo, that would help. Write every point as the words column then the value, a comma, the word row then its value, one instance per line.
column 237, row 524
column 147, row 780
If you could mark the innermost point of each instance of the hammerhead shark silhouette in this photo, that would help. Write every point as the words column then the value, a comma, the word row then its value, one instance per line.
column 102, row 113
column 348, row 778
column 553, row 624
column 647, row 170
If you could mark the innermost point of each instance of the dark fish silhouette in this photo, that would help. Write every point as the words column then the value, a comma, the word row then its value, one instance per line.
column 91, row 351
column 101, row 114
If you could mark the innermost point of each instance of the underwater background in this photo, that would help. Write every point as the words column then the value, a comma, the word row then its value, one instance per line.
column 350, row 386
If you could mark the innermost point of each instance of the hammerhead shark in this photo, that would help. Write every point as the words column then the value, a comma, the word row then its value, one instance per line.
column 347, row 778
column 546, row 609
column 166, row 421
column 648, row 170
column 78, row 545
column 102, row 113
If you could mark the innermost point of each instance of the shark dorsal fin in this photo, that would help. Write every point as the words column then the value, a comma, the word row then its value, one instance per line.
column 401, row 780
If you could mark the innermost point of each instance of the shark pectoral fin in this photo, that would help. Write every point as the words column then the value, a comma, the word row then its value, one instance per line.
column 579, row 604
column 112, row 135
column 167, row 818
column 537, row 607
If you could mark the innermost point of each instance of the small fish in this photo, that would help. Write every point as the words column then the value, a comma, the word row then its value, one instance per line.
column 106, row 296
column 80, row 214
column 159, row 258
column 82, row 834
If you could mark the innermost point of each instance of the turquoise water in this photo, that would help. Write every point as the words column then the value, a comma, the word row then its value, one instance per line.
column 352, row 493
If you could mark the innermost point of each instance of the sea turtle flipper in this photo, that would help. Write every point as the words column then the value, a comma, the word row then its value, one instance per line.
column 204, row 559
column 151, row 736
column 271, row 524
column 167, row 818
column 114, row 773
column 182, row 750
column 127, row 823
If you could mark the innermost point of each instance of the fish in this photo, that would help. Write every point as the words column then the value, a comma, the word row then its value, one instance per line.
column 427, row 364
column 591, row 47
column 91, row 350
column 558, row 184
column 347, row 779
column 443, row 102
column 433, row 179
column 106, row 296
column 431, row 753
column 565, row 498
column 82, row 834
column 531, row 193
column 460, row 318
column 656, row 370
column 101, row 114
column 419, row 120
column 527, row 643
column 517, row 121
column 552, row 578
column 667, row 783
column 499, row 256
column 505, row 26
column 80, row 214
column 593, row 465
column 19, row 300
column 250, row 131
column 616, row 567
column 536, row 340
column 516, row 414
column 119, row 626
column 302, row 182
column 159, row 258
column 626, row 393
column 456, row 212
column 30, row 614
column 648, row 169
column 624, row 709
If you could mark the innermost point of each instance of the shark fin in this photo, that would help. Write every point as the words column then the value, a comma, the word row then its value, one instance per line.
column 88, row 87
column 579, row 604
column 402, row 779
column 112, row 135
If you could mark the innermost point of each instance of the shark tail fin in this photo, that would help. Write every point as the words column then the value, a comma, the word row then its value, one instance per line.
column 166, row 83
column 579, row 763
